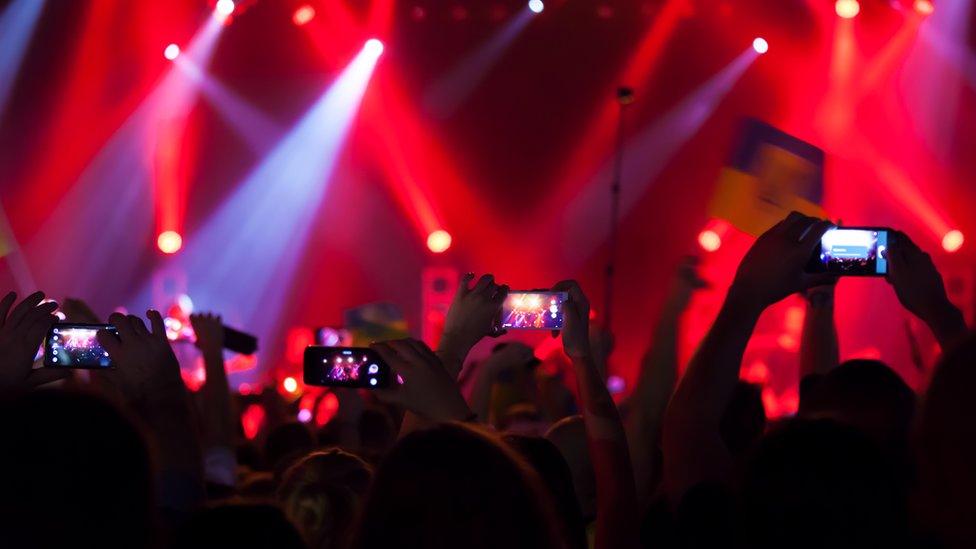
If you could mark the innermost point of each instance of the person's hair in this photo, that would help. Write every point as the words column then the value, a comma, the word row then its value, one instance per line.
column 946, row 449
column 285, row 444
column 820, row 483
column 866, row 394
column 241, row 525
column 74, row 471
column 321, row 494
column 455, row 486
column 744, row 419
column 551, row 467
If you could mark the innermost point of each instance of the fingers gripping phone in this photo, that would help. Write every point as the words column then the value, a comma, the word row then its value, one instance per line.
column 851, row 251
column 76, row 346
column 355, row 367
column 533, row 310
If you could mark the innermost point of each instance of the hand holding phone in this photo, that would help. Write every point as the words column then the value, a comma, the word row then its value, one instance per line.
column 354, row 367
column 76, row 346
column 533, row 310
column 851, row 251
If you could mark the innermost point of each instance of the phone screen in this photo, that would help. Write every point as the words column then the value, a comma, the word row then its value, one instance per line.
column 345, row 367
column 852, row 251
column 533, row 311
column 76, row 346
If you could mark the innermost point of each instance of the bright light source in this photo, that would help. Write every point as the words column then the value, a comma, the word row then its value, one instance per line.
column 952, row 241
column 760, row 45
column 290, row 384
column 169, row 242
column 224, row 7
column 303, row 15
column 924, row 7
column 171, row 52
column 439, row 241
column 709, row 240
column 373, row 47
column 536, row 6
column 848, row 9
column 304, row 415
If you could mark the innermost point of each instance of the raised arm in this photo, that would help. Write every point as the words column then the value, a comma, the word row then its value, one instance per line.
column 771, row 270
column 21, row 334
column 509, row 357
column 472, row 316
column 616, row 516
column 920, row 289
column 655, row 383
column 819, row 351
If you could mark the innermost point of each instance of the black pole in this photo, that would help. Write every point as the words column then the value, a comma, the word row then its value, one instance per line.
column 625, row 96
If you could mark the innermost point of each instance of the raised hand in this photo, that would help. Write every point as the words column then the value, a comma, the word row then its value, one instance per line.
column 920, row 289
column 473, row 315
column 146, row 365
column 209, row 329
column 428, row 390
column 21, row 335
column 576, row 323
column 774, row 267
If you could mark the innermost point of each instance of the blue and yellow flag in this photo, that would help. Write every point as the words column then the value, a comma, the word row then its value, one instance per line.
column 771, row 174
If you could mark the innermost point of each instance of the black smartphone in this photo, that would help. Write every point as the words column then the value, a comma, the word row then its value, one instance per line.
column 75, row 346
column 356, row 367
column 851, row 251
column 239, row 342
column 533, row 310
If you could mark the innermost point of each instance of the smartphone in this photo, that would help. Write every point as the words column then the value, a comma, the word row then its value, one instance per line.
column 851, row 251
column 75, row 346
column 355, row 367
column 533, row 310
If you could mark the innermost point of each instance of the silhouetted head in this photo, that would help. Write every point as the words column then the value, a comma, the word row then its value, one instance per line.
column 744, row 420
column 452, row 486
column 74, row 471
column 549, row 464
column 946, row 449
column 569, row 437
column 376, row 433
column 322, row 493
column 239, row 525
column 819, row 483
column 865, row 394
column 285, row 444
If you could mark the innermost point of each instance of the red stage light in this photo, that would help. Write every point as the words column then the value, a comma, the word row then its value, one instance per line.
column 952, row 241
column 847, row 9
column 924, row 7
column 171, row 52
column 303, row 15
column 760, row 45
column 439, row 241
column 169, row 242
column 709, row 240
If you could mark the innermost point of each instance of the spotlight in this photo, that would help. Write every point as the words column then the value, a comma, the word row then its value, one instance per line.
column 224, row 8
column 304, row 415
column 439, row 241
column 171, row 52
column 303, row 15
column 760, row 45
column 952, row 241
column 709, row 240
column 169, row 242
column 847, row 9
column 290, row 384
column 373, row 47
column 536, row 6
column 924, row 7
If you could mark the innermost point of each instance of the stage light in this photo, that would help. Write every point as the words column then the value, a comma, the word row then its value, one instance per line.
column 952, row 241
column 536, row 6
column 304, row 415
column 303, row 15
column 709, row 240
column 373, row 47
column 848, row 9
column 224, row 8
column 760, row 45
column 169, row 242
column 171, row 52
column 924, row 7
column 439, row 241
column 290, row 384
